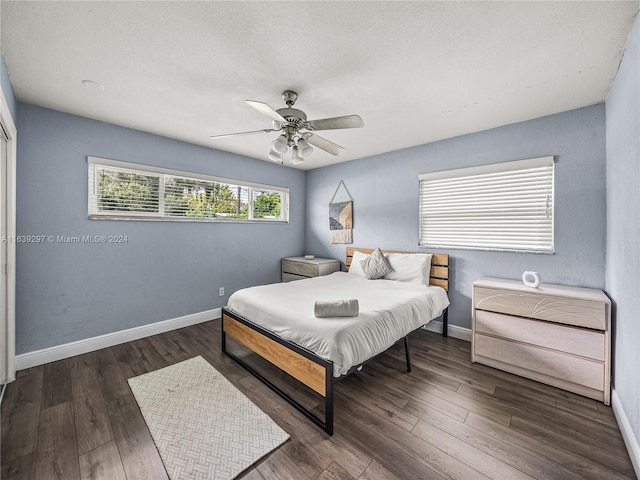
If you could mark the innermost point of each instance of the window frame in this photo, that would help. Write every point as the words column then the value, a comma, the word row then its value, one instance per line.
column 484, row 170
column 96, row 163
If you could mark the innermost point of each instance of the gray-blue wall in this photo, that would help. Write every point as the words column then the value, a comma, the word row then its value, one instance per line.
column 7, row 88
column 385, row 193
column 623, row 227
column 68, row 292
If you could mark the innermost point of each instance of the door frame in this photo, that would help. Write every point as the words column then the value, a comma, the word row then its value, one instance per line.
column 8, row 125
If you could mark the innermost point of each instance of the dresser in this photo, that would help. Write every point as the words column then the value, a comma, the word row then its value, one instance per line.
column 553, row 334
column 298, row 268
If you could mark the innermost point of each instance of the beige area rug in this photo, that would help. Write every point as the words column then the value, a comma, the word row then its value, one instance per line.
column 203, row 427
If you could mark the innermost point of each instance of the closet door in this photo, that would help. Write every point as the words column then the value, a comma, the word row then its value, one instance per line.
column 3, row 259
column 8, row 137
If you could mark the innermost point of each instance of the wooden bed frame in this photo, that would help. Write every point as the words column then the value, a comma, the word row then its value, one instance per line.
column 302, row 364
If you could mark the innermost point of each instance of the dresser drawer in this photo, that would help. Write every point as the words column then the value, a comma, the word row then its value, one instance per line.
column 577, row 341
column 555, row 364
column 570, row 311
column 300, row 268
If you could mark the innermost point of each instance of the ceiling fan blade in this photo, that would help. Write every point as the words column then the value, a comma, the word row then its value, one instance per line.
column 264, row 130
column 266, row 109
column 324, row 144
column 334, row 123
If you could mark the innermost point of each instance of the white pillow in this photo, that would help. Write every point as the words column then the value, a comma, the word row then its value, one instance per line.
column 409, row 267
column 356, row 267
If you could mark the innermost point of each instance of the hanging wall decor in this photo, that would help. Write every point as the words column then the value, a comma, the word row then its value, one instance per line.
column 341, row 216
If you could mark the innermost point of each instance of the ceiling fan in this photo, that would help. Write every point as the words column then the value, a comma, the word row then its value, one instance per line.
column 298, row 132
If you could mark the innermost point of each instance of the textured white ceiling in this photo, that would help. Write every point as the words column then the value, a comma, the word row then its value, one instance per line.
column 415, row 72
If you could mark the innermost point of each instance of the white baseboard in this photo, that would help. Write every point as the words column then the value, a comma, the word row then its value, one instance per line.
column 59, row 352
column 452, row 330
column 629, row 436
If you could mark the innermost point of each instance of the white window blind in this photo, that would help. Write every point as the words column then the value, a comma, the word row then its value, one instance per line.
column 121, row 190
column 504, row 206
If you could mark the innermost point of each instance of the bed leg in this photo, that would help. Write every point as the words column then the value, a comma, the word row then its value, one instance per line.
column 328, row 402
column 445, row 321
column 223, row 335
column 406, row 351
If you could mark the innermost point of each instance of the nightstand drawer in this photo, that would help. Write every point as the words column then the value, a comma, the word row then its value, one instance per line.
column 300, row 268
column 289, row 277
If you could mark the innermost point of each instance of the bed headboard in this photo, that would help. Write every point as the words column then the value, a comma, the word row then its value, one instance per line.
column 439, row 274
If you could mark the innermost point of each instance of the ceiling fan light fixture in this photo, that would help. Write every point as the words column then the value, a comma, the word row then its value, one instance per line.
column 296, row 159
column 274, row 156
column 280, row 145
column 304, row 148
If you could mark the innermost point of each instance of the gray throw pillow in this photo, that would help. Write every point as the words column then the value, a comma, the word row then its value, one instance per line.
column 376, row 265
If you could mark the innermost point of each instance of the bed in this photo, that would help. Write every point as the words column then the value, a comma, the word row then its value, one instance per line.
column 277, row 323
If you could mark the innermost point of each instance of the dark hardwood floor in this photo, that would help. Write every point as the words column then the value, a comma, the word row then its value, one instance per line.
column 76, row 418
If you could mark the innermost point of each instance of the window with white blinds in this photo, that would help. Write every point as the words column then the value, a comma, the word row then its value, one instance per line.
column 503, row 206
column 121, row 190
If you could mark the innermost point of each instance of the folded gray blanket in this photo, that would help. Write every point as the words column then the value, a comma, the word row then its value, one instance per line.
column 336, row 308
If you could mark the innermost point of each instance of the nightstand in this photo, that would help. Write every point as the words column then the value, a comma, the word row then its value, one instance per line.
column 298, row 268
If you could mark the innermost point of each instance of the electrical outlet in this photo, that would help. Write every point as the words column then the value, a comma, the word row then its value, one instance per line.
column 221, row 291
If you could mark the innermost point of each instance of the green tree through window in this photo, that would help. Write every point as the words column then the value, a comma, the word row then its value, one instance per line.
column 121, row 190
column 129, row 192
column 266, row 205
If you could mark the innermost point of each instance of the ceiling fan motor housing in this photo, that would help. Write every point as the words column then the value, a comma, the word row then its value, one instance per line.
column 289, row 97
column 293, row 116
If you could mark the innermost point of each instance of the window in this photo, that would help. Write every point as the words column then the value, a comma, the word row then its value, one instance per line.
column 504, row 206
column 123, row 190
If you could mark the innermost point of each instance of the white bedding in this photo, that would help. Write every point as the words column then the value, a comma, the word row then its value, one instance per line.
column 389, row 310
